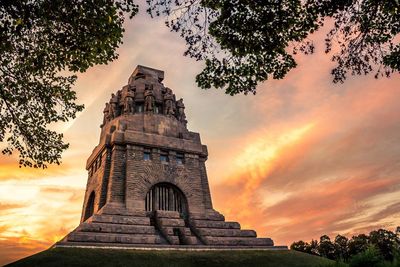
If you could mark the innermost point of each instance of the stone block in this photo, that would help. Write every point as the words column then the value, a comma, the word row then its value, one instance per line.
column 113, row 238
column 226, row 232
column 162, row 222
column 117, row 219
column 167, row 214
column 214, row 224
column 110, row 210
column 116, row 228
column 215, row 216
column 235, row 241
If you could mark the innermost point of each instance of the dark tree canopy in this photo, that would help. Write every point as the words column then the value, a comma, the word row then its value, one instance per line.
column 385, row 242
column 245, row 42
column 242, row 42
column 40, row 41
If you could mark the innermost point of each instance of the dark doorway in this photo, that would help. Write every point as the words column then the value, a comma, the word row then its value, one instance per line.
column 166, row 196
column 89, row 207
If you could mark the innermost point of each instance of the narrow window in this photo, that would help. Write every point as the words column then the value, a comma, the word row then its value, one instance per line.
column 146, row 154
column 164, row 156
column 180, row 159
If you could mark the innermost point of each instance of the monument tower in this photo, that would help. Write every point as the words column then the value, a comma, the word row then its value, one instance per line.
column 147, row 183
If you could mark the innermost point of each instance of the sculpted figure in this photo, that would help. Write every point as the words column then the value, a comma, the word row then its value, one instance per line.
column 120, row 104
column 169, row 108
column 148, row 99
column 181, row 111
column 129, row 103
column 114, row 106
column 106, row 112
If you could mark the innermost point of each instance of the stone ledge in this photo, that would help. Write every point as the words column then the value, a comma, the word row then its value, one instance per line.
column 111, row 210
column 238, row 241
column 170, row 222
column 89, row 245
column 116, row 228
column 118, row 219
column 113, row 238
column 214, row 216
column 226, row 232
column 167, row 214
column 214, row 224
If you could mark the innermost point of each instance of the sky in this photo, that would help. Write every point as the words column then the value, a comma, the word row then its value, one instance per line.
column 301, row 158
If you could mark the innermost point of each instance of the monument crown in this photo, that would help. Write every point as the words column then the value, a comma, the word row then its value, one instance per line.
column 147, row 182
column 144, row 93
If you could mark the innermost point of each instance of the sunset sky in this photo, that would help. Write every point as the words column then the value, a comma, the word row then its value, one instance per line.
column 302, row 158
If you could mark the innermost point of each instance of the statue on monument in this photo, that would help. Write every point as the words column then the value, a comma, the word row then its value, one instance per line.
column 106, row 112
column 169, row 102
column 129, row 103
column 181, row 111
column 114, row 106
column 148, row 99
column 120, row 105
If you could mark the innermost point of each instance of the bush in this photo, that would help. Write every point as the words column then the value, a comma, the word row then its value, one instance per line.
column 368, row 258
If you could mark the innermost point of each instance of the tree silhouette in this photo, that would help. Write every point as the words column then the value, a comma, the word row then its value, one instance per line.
column 40, row 40
column 247, row 42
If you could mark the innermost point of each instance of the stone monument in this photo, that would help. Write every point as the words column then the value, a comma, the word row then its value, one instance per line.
column 147, row 184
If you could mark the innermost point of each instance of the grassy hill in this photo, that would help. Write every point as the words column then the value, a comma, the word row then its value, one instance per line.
column 112, row 257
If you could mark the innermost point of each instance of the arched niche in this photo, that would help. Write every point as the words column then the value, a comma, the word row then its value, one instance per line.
column 89, row 206
column 166, row 196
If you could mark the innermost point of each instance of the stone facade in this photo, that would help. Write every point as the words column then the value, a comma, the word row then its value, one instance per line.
column 147, row 183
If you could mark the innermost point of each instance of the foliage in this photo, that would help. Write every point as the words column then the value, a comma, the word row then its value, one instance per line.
column 246, row 42
column 242, row 43
column 326, row 248
column 358, row 244
column 380, row 244
column 368, row 258
column 41, row 41
column 341, row 247
column 310, row 248
column 386, row 241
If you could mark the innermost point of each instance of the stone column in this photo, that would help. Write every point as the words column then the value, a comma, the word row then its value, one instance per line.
column 116, row 184
column 134, row 160
column 106, row 174
column 204, row 183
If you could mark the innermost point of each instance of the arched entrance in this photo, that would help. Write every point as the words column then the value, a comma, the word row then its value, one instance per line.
column 166, row 196
column 89, row 207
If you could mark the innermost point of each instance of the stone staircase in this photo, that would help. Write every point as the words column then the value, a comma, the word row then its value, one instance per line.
column 120, row 226
column 213, row 230
column 174, row 229
column 116, row 226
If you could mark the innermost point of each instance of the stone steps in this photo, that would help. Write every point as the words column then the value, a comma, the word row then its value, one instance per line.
column 111, row 210
column 118, row 219
column 215, row 216
column 214, row 224
column 114, row 238
column 173, row 227
column 116, row 228
column 163, row 222
column 225, row 232
column 238, row 241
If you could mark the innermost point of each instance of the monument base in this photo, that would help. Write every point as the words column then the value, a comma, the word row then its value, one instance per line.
column 115, row 226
